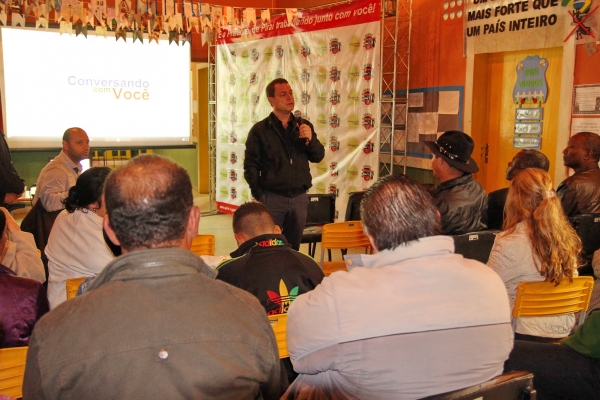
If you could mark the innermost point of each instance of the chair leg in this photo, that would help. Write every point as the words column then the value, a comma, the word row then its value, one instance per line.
column 329, row 252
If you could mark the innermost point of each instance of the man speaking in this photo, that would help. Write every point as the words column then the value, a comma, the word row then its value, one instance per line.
column 278, row 150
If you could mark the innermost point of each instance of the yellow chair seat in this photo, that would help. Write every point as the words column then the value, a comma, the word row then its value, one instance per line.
column 12, row 369
column 203, row 245
column 279, row 325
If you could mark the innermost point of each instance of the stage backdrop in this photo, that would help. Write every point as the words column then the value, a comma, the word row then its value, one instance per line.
column 331, row 58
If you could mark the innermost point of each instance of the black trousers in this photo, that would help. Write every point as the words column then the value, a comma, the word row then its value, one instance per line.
column 289, row 213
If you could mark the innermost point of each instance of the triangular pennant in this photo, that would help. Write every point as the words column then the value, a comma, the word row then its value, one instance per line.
column 66, row 27
column 41, row 23
column 174, row 37
column 138, row 35
column 153, row 36
column 121, row 33
column 17, row 19
column 101, row 31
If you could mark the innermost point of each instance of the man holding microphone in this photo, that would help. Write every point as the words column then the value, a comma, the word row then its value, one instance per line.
column 278, row 150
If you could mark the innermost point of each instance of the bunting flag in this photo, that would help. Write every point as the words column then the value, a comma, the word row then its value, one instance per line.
column 173, row 37
column 41, row 23
column 121, row 33
column 66, row 27
column 81, row 29
column 138, row 35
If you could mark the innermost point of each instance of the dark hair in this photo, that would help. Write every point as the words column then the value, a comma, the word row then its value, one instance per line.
column 148, row 202
column 2, row 222
column 591, row 142
column 397, row 210
column 532, row 159
column 253, row 219
column 271, row 86
column 87, row 189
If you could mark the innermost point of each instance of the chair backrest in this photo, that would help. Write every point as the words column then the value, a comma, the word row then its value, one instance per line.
column 279, row 325
column 353, row 207
column 536, row 299
column 203, row 245
column 587, row 227
column 321, row 209
column 475, row 245
column 12, row 369
column 343, row 235
column 72, row 286
column 515, row 385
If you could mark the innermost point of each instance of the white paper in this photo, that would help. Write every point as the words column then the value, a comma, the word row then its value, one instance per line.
column 585, row 125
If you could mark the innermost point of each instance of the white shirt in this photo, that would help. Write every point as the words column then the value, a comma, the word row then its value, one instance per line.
column 55, row 180
column 75, row 249
column 21, row 255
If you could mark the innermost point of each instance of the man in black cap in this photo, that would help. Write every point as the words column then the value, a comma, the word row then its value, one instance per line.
column 461, row 200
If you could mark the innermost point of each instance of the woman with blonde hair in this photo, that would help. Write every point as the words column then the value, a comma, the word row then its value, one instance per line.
column 537, row 243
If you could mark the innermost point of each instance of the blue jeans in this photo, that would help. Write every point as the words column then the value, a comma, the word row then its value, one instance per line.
column 558, row 371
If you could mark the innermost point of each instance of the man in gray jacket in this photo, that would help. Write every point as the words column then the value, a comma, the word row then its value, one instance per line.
column 154, row 323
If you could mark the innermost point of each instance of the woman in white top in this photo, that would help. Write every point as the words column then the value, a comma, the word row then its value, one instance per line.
column 76, row 247
column 537, row 243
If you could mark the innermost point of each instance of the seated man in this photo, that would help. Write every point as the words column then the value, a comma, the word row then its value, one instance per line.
column 410, row 321
column 22, row 301
column 523, row 159
column 570, row 370
column 154, row 322
column 265, row 264
column 20, row 253
column 461, row 200
column 580, row 193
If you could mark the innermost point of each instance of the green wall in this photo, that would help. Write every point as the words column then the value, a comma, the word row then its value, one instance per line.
column 29, row 163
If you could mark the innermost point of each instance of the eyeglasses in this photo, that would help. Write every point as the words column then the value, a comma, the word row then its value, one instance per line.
column 450, row 155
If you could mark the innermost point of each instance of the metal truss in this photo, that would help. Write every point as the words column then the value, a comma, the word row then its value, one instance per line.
column 395, row 66
column 212, row 126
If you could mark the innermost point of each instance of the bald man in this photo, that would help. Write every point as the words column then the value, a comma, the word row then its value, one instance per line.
column 60, row 174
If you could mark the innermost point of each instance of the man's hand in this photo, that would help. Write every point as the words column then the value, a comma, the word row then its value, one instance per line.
column 305, row 132
column 11, row 197
column 11, row 224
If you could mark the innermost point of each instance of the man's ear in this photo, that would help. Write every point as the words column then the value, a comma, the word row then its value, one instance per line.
column 277, row 230
column 240, row 238
column 270, row 99
column 109, row 231
column 372, row 241
column 191, row 230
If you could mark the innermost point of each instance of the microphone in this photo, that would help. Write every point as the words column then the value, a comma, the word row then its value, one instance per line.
column 298, row 116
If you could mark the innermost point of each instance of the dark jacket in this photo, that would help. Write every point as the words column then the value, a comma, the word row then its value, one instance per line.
column 22, row 303
column 462, row 203
column 276, row 159
column 155, row 324
column 271, row 270
column 495, row 213
column 10, row 182
column 580, row 193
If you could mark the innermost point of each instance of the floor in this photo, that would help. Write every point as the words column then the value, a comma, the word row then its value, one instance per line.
column 215, row 224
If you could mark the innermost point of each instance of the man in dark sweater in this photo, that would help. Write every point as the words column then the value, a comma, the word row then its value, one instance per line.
column 523, row 159
column 265, row 264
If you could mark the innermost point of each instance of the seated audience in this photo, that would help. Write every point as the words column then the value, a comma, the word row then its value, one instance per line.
column 570, row 370
column 76, row 247
column 410, row 321
column 22, row 301
column 523, row 159
column 264, row 263
column 461, row 200
column 537, row 244
column 20, row 253
column 580, row 193
column 155, row 322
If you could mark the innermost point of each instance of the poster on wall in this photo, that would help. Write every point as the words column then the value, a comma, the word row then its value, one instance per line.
column 331, row 59
column 586, row 100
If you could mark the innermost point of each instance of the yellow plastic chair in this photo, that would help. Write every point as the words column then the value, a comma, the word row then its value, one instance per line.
column 12, row 369
column 279, row 325
column 72, row 286
column 341, row 235
column 203, row 245
column 539, row 299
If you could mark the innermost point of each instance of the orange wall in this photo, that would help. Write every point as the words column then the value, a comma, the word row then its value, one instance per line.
column 586, row 67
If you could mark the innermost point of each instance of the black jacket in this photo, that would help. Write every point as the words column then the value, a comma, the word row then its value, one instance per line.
column 267, row 267
column 277, row 160
column 10, row 182
column 495, row 213
column 462, row 203
column 580, row 193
